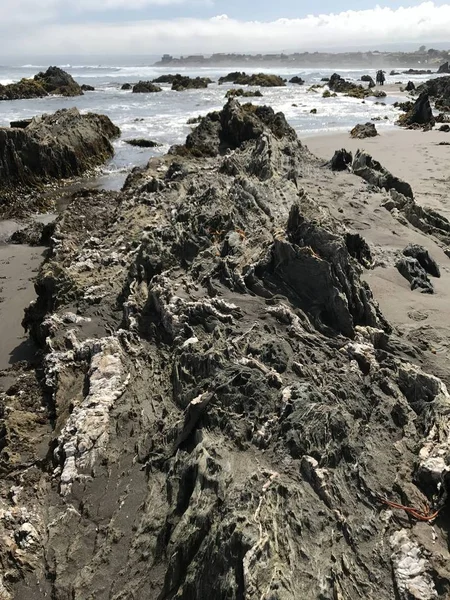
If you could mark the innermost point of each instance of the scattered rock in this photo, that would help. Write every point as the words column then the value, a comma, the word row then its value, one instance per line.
column 411, row 270
column 146, row 87
column 445, row 68
column 181, row 83
column 257, row 79
column 341, row 161
column 55, row 81
column 143, row 143
column 368, row 79
column 374, row 173
column 297, row 80
column 87, row 88
column 424, row 259
column 420, row 114
column 410, row 87
column 364, row 131
column 240, row 93
column 126, row 86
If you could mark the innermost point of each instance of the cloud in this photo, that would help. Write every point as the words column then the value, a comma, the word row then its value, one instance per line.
column 424, row 23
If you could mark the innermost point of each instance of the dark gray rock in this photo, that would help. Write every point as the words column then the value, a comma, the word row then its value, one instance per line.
column 411, row 269
column 297, row 80
column 146, row 87
column 143, row 143
column 410, row 87
column 87, row 88
column 341, row 161
column 420, row 114
column 444, row 68
column 374, row 173
column 21, row 124
column 364, row 131
column 423, row 257
column 126, row 86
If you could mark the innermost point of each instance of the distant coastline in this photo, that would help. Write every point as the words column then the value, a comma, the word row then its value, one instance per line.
column 430, row 58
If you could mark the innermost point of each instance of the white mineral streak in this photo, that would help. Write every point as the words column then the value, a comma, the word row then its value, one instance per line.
column 86, row 432
column 435, row 450
column 411, row 569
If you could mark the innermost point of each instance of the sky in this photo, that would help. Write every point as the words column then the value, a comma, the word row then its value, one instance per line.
column 137, row 27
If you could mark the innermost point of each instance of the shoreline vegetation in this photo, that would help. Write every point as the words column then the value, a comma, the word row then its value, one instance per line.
column 235, row 377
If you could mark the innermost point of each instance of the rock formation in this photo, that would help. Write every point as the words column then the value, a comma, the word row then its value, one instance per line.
column 220, row 409
column 240, row 93
column 297, row 80
column 364, row 131
column 340, row 85
column 257, row 79
column 142, row 143
column 444, row 68
column 374, row 173
column 87, row 88
column 420, row 114
column 341, row 161
column 54, row 81
column 181, row 83
column 146, row 87
column 57, row 146
column 439, row 90
column 410, row 87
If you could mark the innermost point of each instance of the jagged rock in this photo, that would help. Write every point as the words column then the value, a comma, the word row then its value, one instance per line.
column 364, row 131
column 411, row 269
column 420, row 114
column 340, row 85
column 368, row 79
column 423, row 257
column 235, row 124
column 87, row 88
column 439, row 90
column 55, row 81
column 374, row 173
column 341, row 161
column 35, row 234
column 410, row 87
column 445, row 68
column 22, row 90
column 297, row 80
column 240, row 93
column 146, row 87
column 404, row 106
column 55, row 146
column 142, row 143
column 257, row 79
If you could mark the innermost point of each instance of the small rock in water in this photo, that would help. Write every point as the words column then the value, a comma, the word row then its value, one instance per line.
column 143, row 143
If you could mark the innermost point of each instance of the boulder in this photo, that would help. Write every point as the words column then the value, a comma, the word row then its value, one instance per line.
column 55, row 81
column 35, row 234
column 368, row 79
column 231, row 127
column 21, row 123
column 413, row 272
column 87, row 88
column 420, row 114
column 341, row 161
column 445, row 68
column 181, row 83
column 445, row 128
column 240, row 93
column 339, row 85
column 439, row 90
column 410, row 87
column 146, row 87
column 25, row 89
column 56, row 146
column 364, row 131
column 297, row 80
column 257, row 79
column 143, row 143
column 126, row 86
column 374, row 173
column 423, row 257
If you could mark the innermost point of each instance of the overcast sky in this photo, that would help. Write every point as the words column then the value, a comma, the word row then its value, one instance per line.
column 61, row 27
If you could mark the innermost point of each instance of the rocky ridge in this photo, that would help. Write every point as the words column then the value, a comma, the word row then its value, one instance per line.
column 54, row 81
column 221, row 407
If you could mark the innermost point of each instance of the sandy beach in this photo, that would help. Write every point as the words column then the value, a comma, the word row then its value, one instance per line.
column 417, row 158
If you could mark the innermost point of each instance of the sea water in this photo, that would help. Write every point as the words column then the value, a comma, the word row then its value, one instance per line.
column 162, row 117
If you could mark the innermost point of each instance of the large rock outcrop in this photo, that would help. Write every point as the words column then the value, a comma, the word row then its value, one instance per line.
column 439, row 90
column 57, row 146
column 444, row 68
column 257, row 79
column 54, row 81
column 220, row 409
column 420, row 114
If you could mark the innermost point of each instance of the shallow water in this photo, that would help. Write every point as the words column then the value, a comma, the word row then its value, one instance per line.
column 162, row 117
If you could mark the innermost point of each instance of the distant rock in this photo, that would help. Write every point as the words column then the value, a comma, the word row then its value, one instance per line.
column 410, row 87
column 146, row 87
column 340, row 85
column 234, row 93
column 445, row 68
column 166, row 78
column 368, row 79
column 257, row 79
column 341, row 161
column 126, row 86
column 180, row 83
column 364, row 131
column 313, row 111
column 142, row 143
column 87, row 88
column 297, row 80
column 420, row 114
column 325, row 79
column 418, row 72
column 55, row 81
column 445, row 128
column 422, row 255
column 393, row 73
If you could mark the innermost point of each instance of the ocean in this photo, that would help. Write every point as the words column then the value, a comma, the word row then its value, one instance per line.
column 163, row 117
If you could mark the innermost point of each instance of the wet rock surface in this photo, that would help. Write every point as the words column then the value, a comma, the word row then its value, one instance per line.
column 220, row 404
column 439, row 90
column 54, row 81
column 146, row 87
column 256, row 79
column 52, row 147
column 421, row 113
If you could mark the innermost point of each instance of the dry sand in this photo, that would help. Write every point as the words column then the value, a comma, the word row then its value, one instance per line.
column 416, row 157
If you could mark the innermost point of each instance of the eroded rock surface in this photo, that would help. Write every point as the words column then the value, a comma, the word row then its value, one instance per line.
column 220, row 404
